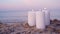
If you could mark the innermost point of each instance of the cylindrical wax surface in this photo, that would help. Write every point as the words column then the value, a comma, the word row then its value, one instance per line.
column 31, row 18
column 47, row 17
column 40, row 20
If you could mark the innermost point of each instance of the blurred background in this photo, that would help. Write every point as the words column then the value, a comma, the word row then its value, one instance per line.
column 16, row 10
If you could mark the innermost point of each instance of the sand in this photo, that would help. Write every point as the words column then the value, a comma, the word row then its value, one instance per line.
column 24, row 28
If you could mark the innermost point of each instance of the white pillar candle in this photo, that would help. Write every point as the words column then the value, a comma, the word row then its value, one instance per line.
column 47, row 16
column 40, row 20
column 31, row 18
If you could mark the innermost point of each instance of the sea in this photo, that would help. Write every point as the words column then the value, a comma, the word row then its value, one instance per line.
column 20, row 16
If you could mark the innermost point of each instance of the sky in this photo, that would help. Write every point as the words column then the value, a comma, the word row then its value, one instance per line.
column 7, row 8
column 28, row 4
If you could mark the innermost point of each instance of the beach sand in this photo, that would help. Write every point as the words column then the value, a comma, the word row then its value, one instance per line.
column 24, row 28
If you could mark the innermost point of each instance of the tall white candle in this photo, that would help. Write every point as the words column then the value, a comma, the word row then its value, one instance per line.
column 40, row 20
column 31, row 18
column 47, row 16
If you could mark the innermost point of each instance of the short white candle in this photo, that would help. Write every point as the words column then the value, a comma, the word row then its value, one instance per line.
column 40, row 20
column 31, row 18
column 47, row 16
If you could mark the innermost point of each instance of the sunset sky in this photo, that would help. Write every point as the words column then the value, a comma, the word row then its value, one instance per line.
column 17, row 9
column 28, row 4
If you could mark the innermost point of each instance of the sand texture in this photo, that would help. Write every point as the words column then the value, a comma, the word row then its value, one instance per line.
column 24, row 28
